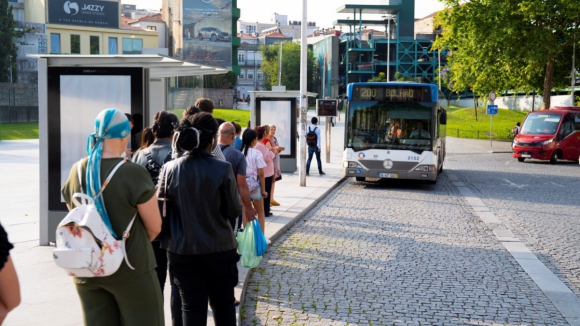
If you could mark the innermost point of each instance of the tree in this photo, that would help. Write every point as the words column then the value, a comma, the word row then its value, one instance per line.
column 290, row 66
column 502, row 45
column 400, row 77
column 7, row 46
column 382, row 77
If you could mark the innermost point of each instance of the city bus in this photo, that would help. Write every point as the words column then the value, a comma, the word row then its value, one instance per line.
column 394, row 130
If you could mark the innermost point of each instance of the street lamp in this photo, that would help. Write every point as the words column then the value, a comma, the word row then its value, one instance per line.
column 389, row 17
column 573, row 67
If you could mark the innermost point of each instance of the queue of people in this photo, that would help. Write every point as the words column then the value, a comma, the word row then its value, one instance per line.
column 188, row 183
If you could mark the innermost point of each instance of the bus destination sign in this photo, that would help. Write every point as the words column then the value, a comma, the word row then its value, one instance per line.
column 391, row 93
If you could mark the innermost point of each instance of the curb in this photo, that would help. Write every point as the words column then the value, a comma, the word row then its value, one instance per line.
column 283, row 230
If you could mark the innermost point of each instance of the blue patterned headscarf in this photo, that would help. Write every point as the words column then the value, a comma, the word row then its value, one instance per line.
column 109, row 124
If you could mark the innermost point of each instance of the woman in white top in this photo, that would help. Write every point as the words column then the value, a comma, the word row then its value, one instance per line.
column 255, row 165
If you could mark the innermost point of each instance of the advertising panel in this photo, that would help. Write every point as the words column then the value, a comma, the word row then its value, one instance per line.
column 93, row 13
column 207, row 28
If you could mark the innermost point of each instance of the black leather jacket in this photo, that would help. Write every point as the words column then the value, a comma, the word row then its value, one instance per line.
column 201, row 198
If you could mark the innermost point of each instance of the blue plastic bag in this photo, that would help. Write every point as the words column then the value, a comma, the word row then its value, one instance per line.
column 247, row 248
column 259, row 238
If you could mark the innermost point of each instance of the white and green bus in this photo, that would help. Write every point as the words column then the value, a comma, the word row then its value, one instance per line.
column 394, row 130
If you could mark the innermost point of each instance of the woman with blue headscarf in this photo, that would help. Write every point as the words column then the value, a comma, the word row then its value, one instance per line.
column 129, row 296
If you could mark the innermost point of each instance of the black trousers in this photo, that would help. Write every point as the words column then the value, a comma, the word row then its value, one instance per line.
column 202, row 277
column 268, row 182
column 161, row 257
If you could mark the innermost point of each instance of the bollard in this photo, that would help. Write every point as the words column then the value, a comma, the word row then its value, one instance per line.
column 478, row 134
column 457, row 133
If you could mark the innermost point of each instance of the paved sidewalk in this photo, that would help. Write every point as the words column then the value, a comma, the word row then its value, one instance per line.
column 46, row 290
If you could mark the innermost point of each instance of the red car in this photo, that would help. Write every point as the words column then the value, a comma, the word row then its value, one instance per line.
column 549, row 135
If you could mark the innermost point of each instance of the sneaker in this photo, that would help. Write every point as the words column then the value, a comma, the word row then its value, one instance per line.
column 322, row 173
column 307, row 173
column 268, row 215
column 268, row 241
column 274, row 203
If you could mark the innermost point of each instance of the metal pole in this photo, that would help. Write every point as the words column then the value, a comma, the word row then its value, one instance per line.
column 280, row 66
column 439, row 65
column 303, row 96
column 573, row 69
column 490, row 129
column 388, row 48
column 328, row 125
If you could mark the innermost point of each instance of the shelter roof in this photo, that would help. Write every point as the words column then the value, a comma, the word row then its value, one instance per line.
column 368, row 9
column 159, row 66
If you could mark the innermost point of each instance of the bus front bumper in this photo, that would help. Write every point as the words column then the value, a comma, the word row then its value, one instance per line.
column 388, row 174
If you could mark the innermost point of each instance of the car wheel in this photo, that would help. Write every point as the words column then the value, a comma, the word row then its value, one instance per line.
column 360, row 179
column 214, row 38
column 200, row 37
column 554, row 158
column 521, row 159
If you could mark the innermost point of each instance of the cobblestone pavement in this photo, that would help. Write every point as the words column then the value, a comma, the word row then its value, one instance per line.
column 393, row 254
column 536, row 200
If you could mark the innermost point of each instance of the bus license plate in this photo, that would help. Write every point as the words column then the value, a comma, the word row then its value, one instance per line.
column 388, row 175
column 526, row 155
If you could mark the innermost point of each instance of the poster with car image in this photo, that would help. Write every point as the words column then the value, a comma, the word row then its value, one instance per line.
column 207, row 28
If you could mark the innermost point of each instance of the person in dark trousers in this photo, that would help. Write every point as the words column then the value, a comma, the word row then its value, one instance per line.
column 201, row 198
column 314, row 148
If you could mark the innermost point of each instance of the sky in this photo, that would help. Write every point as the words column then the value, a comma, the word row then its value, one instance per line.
column 261, row 11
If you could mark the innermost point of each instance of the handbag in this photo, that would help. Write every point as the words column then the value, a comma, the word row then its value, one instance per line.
column 253, row 185
column 84, row 245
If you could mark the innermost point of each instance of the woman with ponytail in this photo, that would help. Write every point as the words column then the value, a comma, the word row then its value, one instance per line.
column 201, row 197
column 255, row 175
column 129, row 296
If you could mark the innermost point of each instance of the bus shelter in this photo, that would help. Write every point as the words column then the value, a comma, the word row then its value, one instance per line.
column 279, row 108
column 72, row 90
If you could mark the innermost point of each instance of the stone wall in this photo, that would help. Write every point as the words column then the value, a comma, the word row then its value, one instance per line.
column 179, row 98
column 18, row 102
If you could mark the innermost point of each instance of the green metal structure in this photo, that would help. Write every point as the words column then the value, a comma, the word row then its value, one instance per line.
column 364, row 56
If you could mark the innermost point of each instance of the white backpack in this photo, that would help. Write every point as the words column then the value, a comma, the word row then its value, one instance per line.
column 84, row 245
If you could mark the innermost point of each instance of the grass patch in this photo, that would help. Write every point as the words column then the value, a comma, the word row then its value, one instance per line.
column 461, row 123
column 18, row 130
column 240, row 116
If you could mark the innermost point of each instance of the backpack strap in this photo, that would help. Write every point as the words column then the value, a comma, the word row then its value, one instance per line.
column 109, row 178
column 126, row 236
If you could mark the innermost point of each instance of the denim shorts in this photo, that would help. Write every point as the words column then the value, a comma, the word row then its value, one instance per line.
column 257, row 195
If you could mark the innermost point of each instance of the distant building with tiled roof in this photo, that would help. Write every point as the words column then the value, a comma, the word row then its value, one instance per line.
column 152, row 23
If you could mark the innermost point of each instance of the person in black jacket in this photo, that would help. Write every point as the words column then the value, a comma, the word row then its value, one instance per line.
column 201, row 200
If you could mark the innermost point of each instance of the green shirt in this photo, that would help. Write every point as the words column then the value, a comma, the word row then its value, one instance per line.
column 130, row 186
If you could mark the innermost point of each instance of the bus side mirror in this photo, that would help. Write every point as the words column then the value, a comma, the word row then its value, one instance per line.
column 443, row 118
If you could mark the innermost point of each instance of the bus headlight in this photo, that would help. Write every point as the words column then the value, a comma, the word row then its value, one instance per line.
column 349, row 164
column 547, row 142
column 425, row 168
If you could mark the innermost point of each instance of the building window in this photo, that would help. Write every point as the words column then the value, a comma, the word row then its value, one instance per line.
column 260, row 75
column 251, row 74
column 113, row 45
column 241, row 58
column 75, row 44
column 95, row 46
column 54, row 43
column 242, row 74
column 250, row 29
column 152, row 28
column 132, row 46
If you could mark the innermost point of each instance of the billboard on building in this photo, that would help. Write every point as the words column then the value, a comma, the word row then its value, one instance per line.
column 93, row 13
column 207, row 32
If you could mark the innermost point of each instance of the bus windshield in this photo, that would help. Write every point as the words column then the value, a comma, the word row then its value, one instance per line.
column 391, row 125
column 541, row 123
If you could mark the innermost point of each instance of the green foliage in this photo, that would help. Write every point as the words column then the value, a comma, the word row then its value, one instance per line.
column 225, row 81
column 508, row 45
column 400, row 77
column 382, row 77
column 7, row 46
column 240, row 116
column 290, row 66
column 18, row 130
column 463, row 120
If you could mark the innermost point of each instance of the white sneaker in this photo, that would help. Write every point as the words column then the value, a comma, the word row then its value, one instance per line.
column 268, row 241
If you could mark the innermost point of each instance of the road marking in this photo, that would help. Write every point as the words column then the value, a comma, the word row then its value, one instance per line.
column 559, row 185
column 555, row 290
column 511, row 184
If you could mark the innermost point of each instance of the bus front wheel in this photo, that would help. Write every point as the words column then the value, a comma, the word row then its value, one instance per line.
column 521, row 159
column 554, row 158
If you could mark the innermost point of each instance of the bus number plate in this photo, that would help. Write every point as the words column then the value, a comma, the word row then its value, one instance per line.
column 388, row 175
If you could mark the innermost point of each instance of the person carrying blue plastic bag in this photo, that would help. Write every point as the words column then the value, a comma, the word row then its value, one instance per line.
column 247, row 245
column 259, row 239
